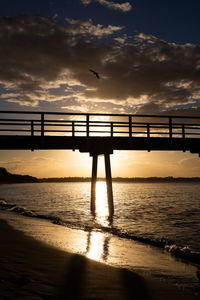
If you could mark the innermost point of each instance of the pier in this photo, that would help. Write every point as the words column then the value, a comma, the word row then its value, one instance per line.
column 98, row 134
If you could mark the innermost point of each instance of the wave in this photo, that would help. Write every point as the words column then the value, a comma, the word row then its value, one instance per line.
column 4, row 205
column 183, row 252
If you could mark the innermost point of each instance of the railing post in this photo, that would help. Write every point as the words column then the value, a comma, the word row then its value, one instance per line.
column 88, row 125
column 183, row 131
column 32, row 128
column 170, row 127
column 148, row 130
column 130, row 126
column 42, row 124
column 73, row 129
column 111, row 129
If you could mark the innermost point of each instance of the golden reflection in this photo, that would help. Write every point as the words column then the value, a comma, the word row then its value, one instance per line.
column 97, row 242
column 97, row 246
column 102, row 213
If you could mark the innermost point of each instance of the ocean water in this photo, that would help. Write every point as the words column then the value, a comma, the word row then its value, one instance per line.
column 165, row 215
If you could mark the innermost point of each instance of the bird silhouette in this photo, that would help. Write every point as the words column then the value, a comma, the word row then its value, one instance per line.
column 95, row 73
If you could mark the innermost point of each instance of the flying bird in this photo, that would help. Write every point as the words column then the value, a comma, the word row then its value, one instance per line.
column 95, row 73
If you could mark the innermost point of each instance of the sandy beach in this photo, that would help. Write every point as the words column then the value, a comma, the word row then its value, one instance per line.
column 31, row 269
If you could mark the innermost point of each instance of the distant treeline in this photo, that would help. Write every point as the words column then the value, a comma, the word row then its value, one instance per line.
column 6, row 177
column 122, row 179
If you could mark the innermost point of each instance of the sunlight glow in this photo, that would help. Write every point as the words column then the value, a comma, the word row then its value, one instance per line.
column 98, row 246
column 102, row 213
column 98, row 243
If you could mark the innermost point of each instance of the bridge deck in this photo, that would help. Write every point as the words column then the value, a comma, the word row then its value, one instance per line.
column 98, row 144
column 98, row 133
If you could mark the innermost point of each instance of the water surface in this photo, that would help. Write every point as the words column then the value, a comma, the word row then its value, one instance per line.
column 163, row 214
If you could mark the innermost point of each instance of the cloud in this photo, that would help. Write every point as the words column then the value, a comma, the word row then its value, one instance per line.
column 191, row 163
column 88, row 28
column 149, row 108
column 164, row 73
column 86, row 2
column 39, row 55
column 124, row 7
column 35, row 166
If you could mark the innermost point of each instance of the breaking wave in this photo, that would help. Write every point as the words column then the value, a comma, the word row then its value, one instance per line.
column 180, row 251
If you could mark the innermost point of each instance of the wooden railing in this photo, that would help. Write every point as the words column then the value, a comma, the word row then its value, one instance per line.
column 113, row 125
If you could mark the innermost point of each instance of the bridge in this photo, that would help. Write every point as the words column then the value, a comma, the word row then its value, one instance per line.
column 98, row 134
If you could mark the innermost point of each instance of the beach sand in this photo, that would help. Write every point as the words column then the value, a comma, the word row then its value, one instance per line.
column 31, row 269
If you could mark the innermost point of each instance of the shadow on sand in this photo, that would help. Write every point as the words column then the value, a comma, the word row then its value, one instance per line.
column 87, row 279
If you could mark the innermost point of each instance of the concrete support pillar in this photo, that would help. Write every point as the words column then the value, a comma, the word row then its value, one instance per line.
column 93, row 185
column 109, row 184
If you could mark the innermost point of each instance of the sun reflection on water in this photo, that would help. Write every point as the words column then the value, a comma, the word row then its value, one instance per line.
column 101, row 214
column 97, row 246
column 98, row 242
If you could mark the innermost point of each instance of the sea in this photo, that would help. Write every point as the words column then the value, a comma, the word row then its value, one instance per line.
column 160, row 217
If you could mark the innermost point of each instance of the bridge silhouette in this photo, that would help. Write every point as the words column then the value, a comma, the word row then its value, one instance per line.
column 98, row 134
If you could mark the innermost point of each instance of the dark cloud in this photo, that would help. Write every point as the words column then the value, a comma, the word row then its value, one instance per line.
column 157, row 72
column 37, row 53
column 145, row 74
column 149, row 108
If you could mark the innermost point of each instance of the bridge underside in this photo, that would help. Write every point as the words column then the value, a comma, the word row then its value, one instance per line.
column 98, row 145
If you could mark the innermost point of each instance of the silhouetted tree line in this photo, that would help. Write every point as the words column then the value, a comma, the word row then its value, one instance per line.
column 6, row 177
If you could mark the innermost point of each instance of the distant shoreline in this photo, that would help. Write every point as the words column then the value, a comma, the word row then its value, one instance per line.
column 123, row 179
column 8, row 178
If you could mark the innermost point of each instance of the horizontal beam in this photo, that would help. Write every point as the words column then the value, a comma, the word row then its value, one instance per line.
column 61, row 123
column 98, row 114
column 98, row 144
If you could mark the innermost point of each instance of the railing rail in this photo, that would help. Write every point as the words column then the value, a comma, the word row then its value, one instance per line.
column 84, row 124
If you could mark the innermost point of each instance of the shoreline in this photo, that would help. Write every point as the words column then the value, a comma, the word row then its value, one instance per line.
column 114, row 179
column 31, row 269
column 175, row 250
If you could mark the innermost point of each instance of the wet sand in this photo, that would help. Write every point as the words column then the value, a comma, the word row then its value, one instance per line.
column 30, row 269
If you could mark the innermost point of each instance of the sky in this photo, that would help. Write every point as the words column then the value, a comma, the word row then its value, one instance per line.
column 147, row 53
